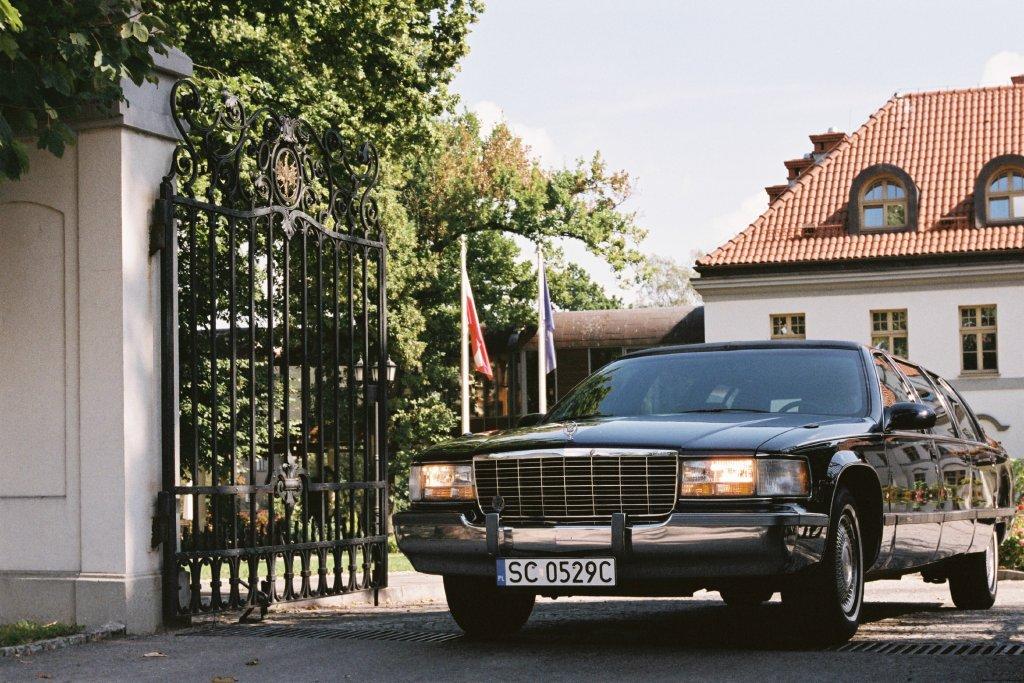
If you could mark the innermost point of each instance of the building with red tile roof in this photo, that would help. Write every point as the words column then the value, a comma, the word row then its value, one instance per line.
column 907, row 234
column 942, row 140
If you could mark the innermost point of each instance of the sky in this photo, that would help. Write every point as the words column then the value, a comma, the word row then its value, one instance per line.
column 702, row 101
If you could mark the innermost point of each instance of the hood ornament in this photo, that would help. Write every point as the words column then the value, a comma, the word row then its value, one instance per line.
column 570, row 429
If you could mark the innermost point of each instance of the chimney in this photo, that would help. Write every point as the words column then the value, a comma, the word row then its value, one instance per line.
column 774, row 191
column 826, row 142
column 798, row 166
column 1017, row 80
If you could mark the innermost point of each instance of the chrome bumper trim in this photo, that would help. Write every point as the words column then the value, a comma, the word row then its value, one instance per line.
column 686, row 545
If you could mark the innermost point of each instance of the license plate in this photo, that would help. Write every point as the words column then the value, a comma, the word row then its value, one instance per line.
column 556, row 572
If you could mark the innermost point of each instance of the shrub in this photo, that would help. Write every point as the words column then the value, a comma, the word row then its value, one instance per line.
column 1011, row 552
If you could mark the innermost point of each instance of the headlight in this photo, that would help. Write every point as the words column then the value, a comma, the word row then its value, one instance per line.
column 717, row 477
column 441, row 482
column 782, row 477
column 743, row 477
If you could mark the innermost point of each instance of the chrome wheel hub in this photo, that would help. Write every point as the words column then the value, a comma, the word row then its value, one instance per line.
column 848, row 570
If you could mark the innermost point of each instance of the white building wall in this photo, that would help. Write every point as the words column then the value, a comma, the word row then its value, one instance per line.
column 80, row 371
column 838, row 306
column 39, row 417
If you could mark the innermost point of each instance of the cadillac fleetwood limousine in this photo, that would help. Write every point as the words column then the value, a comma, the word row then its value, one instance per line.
column 803, row 468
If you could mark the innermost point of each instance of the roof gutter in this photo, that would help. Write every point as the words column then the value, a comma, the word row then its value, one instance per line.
column 877, row 273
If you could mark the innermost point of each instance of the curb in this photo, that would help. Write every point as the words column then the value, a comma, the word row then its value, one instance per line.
column 1011, row 575
column 110, row 630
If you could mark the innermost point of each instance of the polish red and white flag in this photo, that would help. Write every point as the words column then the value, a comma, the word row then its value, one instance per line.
column 481, row 363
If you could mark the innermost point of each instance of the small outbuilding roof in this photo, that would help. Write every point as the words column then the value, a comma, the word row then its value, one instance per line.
column 627, row 327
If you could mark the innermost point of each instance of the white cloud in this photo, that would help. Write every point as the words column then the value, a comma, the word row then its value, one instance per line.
column 540, row 142
column 490, row 115
column 1000, row 66
column 727, row 225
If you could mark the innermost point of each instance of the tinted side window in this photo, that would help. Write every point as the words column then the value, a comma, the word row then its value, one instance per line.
column 890, row 382
column 960, row 413
column 929, row 396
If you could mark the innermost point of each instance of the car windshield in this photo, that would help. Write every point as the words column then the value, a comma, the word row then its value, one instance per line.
column 807, row 381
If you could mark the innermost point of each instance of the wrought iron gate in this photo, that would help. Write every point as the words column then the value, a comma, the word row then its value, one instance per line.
column 275, row 363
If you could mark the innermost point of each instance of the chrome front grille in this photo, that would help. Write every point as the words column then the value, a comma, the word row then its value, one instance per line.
column 577, row 485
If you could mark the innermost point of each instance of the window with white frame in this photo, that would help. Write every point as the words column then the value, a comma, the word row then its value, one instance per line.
column 788, row 326
column 889, row 331
column 978, row 349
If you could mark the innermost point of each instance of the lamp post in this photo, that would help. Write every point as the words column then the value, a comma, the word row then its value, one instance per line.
column 390, row 371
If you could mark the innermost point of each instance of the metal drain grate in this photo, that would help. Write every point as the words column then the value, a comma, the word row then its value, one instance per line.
column 327, row 633
column 903, row 647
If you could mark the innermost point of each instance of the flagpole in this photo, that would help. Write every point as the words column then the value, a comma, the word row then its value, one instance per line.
column 464, row 337
column 542, row 361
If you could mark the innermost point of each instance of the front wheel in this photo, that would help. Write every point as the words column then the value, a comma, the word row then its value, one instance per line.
column 829, row 600
column 483, row 610
column 974, row 579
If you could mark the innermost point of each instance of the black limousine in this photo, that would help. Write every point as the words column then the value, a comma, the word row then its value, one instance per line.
column 804, row 468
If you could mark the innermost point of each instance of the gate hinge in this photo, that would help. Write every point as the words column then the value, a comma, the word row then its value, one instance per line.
column 163, row 509
column 156, row 227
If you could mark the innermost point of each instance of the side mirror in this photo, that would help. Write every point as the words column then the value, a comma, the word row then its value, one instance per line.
column 907, row 416
column 530, row 419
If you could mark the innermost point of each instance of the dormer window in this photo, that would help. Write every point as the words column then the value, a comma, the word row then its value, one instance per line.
column 883, row 198
column 884, row 206
column 1006, row 196
column 999, row 191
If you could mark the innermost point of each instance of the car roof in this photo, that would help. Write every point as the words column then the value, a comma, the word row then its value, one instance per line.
column 747, row 345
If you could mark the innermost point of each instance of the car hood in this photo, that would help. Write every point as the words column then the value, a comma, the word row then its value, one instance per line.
column 727, row 432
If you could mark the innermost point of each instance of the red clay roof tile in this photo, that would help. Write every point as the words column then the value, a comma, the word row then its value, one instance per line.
column 941, row 139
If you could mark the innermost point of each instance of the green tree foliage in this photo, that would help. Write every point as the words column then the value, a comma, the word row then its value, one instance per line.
column 62, row 59
column 471, row 184
column 666, row 282
column 378, row 68
column 572, row 288
column 10, row 17
column 381, row 69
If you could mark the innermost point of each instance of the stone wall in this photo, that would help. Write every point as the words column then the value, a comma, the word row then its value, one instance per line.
column 80, row 369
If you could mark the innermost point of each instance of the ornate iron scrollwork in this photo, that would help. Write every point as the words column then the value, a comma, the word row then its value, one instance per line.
column 289, row 483
column 242, row 160
column 273, row 282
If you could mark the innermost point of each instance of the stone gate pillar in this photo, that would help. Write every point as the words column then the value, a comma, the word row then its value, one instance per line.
column 80, row 370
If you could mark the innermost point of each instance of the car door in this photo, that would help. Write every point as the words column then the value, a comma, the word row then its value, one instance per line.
column 982, row 458
column 954, row 463
column 913, row 497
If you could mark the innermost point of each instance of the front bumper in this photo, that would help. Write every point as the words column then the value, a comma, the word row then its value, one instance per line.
column 687, row 545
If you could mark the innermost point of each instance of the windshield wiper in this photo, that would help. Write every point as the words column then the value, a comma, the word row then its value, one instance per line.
column 725, row 410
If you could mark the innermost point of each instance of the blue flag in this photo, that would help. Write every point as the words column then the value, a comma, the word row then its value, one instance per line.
column 549, row 325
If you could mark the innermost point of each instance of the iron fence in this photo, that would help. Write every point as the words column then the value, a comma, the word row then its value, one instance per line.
column 274, row 357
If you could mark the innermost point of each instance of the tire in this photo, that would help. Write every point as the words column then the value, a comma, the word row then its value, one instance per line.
column 483, row 610
column 974, row 578
column 828, row 600
column 745, row 595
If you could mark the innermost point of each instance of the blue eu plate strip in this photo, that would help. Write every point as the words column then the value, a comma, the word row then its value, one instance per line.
column 501, row 573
